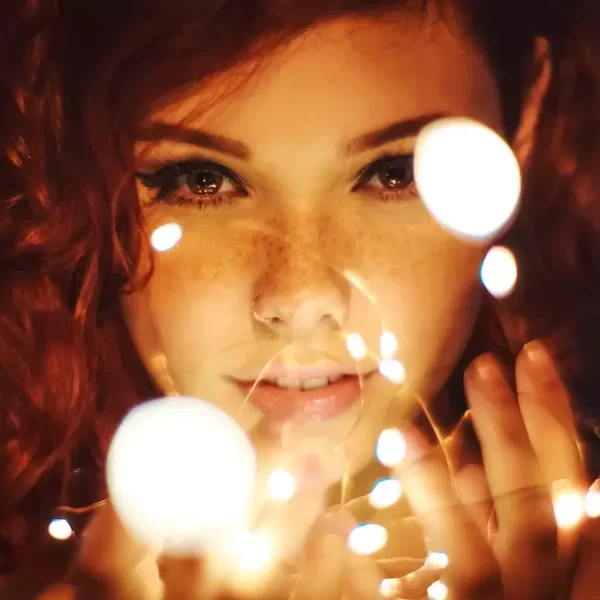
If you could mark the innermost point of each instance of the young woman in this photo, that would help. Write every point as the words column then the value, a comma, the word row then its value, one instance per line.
column 277, row 137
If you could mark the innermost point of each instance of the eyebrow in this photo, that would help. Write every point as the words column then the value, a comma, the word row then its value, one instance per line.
column 389, row 133
column 178, row 133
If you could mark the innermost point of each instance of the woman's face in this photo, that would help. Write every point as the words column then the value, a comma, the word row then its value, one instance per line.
column 301, row 225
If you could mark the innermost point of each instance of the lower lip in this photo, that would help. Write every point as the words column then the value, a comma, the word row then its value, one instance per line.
column 281, row 404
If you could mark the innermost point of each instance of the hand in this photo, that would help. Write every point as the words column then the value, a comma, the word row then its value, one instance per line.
column 528, row 442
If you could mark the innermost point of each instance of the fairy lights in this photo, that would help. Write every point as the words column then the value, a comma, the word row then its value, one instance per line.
column 391, row 447
column 166, row 237
column 281, row 486
column 385, row 493
column 367, row 538
column 499, row 272
column 60, row 529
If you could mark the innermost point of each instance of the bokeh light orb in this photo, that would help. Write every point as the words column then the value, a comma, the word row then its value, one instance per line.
column 468, row 177
column 499, row 272
column 166, row 237
column 569, row 504
column 391, row 447
column 357, row 348
column 385, row 493
column 367, row 539
column 592, row 501
column 281, row 486
column 60, row 529
column 180, row 474
column 437, row 591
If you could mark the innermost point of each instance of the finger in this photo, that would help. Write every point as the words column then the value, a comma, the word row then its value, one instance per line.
column 361, row 578
column 526, row 541
column 472, row 570
column 546, row 408
column 473, row 490
column 322, row 564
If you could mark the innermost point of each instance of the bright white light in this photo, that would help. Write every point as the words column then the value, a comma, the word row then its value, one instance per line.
column 60, row 529
column 385, row 493
column 389, row 588
column 592, row 501
column 356, row 346
column 437, row 591
column 281, row 486
column 391, row 447
column 180, row 473
column 393, row 370
column 367, row 539
column 436, row 560
column 254, row 551
column 569, row 504
column 388, row 344
column 499, row 272
column 166, row 237
column 467, row 177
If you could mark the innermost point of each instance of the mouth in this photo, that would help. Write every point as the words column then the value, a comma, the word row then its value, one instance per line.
column 312, row 396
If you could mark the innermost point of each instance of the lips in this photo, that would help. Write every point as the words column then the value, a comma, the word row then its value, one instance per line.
column 315, row 399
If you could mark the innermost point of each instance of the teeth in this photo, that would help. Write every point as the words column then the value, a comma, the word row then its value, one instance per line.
column 304, row 384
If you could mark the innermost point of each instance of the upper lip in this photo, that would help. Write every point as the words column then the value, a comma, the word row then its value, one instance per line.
column 312, row 371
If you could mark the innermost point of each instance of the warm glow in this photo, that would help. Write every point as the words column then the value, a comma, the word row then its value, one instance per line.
column 60, row 529
column 569, row 504
column 437, row 591
column 391, row 447
column 281, row 486
column 468, row 177
column 389, row 588
column 356, row 346
column 385, row 493
column 166, row 237
column 499, row 272
column 592, row 501
column 180, row 474
column 388, row 344
column 436, row 560
column 393, row 370
column 254, row 551
column 367, row 539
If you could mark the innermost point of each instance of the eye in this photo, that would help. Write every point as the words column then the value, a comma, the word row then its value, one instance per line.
column 389, row 177
column 204, row 184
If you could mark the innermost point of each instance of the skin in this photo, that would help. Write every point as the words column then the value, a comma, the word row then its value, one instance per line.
column 303, row 225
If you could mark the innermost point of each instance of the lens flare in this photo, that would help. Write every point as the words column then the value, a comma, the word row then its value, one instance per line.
column 499, row 272
column 468, row 177
column 180, row 474
column 569, row 504
column 437, row 591
column 388, row 344
column 281, row 486
column 60, row 529
column 367, row 539
column 166, row 237
column 385, row 493
column 393, row 370
column 391, row 447
column 356, row 346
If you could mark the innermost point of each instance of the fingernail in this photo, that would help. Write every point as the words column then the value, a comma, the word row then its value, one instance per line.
column 486, row 368
column 536, row 354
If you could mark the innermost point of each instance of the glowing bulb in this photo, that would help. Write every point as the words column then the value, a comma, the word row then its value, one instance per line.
column 166, row 237
column 499, row 272
column 254, row 551
column 393, row 370
column 356, row 346
column 569, row 504
column 391, row 447
column 388, row 344
column 385, row 493
column 592, row 501
column 60, row 529
column 281, row 486
column 180, row 473
column 367, row 539
column 436, row 560
column 437, row 591
column 467, row 177
column 390, row 588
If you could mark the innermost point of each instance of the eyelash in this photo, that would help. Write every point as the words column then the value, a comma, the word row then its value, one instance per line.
column 164, row 181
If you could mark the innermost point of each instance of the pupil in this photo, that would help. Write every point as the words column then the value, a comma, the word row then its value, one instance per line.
column 204, row 182
column 396, row 175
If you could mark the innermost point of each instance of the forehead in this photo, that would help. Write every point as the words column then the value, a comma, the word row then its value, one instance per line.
column 343, row 78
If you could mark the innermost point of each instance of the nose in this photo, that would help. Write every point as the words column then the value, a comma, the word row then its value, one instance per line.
column 296, row 300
